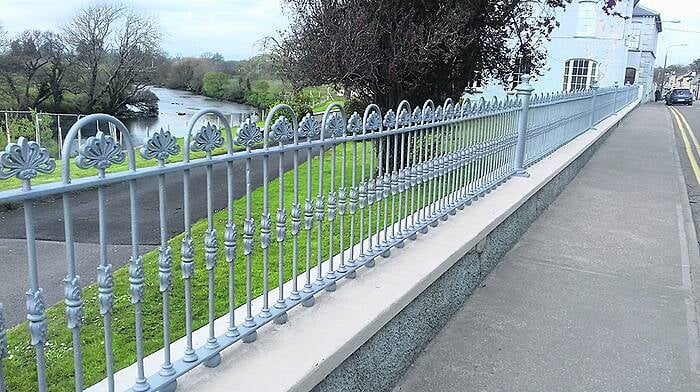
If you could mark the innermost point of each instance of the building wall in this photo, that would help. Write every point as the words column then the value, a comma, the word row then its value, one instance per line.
column 603, row 41
column 642, row 54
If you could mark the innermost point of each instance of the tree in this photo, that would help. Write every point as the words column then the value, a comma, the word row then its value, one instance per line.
column 387, row 50
column 695, row 66
column 214, row 84
column 115, row 48
column 22, row 67
column 188, row 73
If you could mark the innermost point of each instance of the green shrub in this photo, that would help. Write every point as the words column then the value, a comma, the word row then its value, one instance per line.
column 26, row 127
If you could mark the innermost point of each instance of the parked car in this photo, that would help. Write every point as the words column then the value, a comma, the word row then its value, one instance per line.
column 679, row 96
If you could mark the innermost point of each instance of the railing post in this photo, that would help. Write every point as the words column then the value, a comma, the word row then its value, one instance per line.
column 594, row 87
column 524, row 90
column 614, row 106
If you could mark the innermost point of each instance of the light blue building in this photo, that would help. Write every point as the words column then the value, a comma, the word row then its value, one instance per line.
column 590, row 45
column 642, row 45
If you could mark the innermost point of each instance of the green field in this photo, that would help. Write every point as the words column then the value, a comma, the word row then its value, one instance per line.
column 20, row 366
column 77, row 172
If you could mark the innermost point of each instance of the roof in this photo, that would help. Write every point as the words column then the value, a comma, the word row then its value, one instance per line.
column 642, row 11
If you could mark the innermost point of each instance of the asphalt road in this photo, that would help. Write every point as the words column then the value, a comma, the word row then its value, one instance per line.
column 49, row 213
column 691, row 114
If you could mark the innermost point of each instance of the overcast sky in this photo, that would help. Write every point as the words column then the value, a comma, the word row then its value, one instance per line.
column 232, row 27
column 688, row 12
column 190, row 27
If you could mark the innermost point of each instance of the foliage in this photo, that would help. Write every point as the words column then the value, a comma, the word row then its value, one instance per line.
column 300, row 104
column 386, row 50
column 262, row 94
column 26, row 127
column 103, row 57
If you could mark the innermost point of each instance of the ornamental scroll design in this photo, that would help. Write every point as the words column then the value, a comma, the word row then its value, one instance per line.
column 230, row 236
column 161, row 145
column 281, row 225
column 309, row 127
column 105, row 285
column 36, row 306
column 416, row 116
column 249, row 134
column 342, row 200
column 248, row 232
column 136, row 281
column 390, row 119
column 353, row 200
column 308, row 214
column 404, row 118
column 282, row 130
column 208, row 139
column 296, row 219
column 187, row 254
column 334, row 126
column 74, row 301
column 374, row 122
column 100, row 151
column 320, row 208
column 332, row 198
column 25, row 160
column 354, row 124
column 165, row 268
column 265, row 230
column 211, row 246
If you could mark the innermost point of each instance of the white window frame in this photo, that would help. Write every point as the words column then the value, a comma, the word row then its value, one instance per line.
column 579, row 74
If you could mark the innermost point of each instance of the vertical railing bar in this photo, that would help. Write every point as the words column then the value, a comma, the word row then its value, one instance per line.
column 136, row 281
column 248, row 242
column 320, row 211
column 309, row 211
column 105, row 283
column 331, row 214
column 230, row 246
column 386, row 192
column 342, row 195
column 296, row 220
column 73, row 293
column 265, row 227
column 35, row 300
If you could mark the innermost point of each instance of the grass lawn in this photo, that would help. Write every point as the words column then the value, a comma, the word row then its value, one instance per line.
column 321, row 107
column 20, row 370
column 77, row 172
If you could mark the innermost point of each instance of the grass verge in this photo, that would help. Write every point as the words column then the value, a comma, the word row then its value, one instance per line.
column 20, row 365
column 77, row 172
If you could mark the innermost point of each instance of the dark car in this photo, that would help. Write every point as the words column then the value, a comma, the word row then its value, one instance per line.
column 679, row 96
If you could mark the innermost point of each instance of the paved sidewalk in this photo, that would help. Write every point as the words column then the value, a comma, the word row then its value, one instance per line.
column 598, row 295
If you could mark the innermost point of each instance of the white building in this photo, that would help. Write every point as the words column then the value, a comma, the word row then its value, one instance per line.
column 642, row 45
column 589, row 45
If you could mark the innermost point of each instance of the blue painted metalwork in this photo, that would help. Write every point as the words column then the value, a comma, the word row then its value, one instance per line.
column 410, row 168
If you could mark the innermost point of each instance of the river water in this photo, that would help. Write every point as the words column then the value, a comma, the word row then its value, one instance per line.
column 177, row 107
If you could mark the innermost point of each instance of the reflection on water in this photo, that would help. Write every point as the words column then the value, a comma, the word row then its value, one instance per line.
column 177, row 107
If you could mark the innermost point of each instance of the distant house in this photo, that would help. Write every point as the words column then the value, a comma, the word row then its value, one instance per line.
column 641, row 43
column 590, row 45
column 691, row 81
